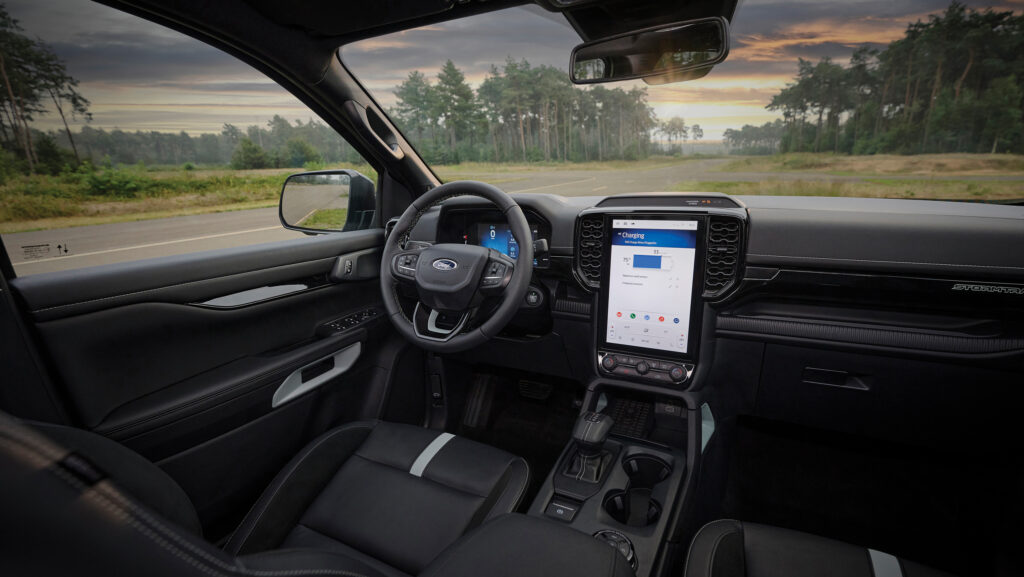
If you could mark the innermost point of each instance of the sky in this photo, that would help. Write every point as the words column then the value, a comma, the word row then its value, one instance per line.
column 140, row 76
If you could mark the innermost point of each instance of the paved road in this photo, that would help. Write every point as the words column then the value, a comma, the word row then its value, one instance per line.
column 37, row 252
column 125, row 241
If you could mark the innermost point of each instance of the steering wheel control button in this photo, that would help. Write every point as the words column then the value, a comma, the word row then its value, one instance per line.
column 494, row 274
column 561, row 511
column 405, row 264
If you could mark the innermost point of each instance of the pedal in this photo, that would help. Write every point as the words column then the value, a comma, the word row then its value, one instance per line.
column 478, row 403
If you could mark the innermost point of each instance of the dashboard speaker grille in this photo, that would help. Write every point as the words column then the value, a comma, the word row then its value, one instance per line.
column 721, row 269
column 589, row 248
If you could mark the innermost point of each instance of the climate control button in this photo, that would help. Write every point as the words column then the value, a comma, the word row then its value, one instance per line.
column 677, row 373
column 609, row 363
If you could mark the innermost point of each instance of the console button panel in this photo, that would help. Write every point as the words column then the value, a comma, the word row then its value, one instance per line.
column 654, row 371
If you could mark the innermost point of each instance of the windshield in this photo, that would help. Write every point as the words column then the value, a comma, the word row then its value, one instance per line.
column 827, row 98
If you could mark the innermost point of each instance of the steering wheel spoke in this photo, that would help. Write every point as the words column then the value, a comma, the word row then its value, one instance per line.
column 436, row 325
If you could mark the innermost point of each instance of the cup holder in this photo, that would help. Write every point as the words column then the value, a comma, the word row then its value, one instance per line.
column 645, row 470
column 634, row 506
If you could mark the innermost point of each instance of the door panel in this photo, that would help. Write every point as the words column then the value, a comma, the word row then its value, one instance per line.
column 124, row 366
column 141, row 356
column 190, row 278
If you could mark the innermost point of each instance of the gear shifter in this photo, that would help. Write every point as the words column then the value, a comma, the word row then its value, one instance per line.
column 589, row 460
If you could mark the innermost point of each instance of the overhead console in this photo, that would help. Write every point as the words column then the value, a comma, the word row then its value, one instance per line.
column 653, row 262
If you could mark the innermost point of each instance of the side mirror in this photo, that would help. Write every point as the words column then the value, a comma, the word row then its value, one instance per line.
column 328, row 201
column 669, row 53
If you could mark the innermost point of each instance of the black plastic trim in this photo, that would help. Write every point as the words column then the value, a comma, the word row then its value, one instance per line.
column 730, row 325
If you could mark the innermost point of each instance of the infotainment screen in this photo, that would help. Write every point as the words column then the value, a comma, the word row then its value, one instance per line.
column 650, row 284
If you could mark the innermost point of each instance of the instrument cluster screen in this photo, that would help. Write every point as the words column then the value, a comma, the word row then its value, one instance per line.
column 499, row 237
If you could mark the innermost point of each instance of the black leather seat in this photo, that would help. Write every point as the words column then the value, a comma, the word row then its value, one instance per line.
column 730, row 548
column 65, row 512
column 393, row 496
column 389, row 496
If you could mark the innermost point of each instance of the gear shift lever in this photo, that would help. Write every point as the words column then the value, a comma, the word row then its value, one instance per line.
column 590, row 432
column 589, row 459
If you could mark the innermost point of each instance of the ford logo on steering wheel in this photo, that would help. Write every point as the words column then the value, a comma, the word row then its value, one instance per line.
column 445, row 264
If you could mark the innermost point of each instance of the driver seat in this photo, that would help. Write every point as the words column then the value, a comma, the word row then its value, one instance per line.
column 391, row 497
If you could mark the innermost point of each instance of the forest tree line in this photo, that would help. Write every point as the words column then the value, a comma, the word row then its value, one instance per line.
column 524, row 113
column 952, row 84
column 278, row 143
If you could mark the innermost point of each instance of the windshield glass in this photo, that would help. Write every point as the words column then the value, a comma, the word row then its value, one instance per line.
column 828, row 97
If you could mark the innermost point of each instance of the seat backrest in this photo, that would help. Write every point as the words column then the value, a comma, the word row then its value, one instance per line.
column 131, row 472
column 62, row 515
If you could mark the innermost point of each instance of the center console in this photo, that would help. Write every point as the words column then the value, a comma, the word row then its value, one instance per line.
column 652, row 263
column 618, row 489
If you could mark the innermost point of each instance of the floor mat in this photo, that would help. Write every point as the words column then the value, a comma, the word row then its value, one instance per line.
column 526, row 417
column 947, row 510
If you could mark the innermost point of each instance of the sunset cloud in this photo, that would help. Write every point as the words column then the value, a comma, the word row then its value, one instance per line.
column 140, row 76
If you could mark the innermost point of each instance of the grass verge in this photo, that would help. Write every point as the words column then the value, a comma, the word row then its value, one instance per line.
column 869, row 188
column 883, row 164
column 326, row 218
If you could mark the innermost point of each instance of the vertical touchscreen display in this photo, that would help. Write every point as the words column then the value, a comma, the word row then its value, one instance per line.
column 650, row 283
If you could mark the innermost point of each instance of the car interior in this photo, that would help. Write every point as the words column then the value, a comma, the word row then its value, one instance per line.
column 471, row 382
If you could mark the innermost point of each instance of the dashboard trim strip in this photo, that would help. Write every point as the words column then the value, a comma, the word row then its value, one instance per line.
column 868, row 336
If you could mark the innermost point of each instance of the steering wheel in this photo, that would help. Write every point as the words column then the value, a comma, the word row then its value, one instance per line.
column 452, row 280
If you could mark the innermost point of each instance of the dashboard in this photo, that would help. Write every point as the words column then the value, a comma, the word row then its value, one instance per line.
column 640, row 287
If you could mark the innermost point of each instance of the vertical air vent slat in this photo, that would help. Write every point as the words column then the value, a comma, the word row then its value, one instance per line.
column 590, row 248
column 722, row 266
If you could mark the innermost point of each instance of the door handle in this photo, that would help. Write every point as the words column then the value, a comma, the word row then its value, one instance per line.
column 833, row 378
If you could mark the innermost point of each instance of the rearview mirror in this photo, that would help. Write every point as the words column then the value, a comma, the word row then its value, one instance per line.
column 328, row 201
column 670, row 53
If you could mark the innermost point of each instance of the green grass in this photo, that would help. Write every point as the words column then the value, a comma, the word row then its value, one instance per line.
column 326, row 218
column 119, row 194
column 106, row 195
column 882, row 164
column 870, row 188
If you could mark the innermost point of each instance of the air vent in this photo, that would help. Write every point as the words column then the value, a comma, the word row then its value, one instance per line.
column 589, row 248
column 725, row 239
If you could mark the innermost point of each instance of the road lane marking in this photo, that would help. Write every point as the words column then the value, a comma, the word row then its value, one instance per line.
column 554, row 185
column 152, row 244
column 598, row 188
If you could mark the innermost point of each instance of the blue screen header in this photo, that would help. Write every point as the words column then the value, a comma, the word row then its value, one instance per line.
column 654, row 238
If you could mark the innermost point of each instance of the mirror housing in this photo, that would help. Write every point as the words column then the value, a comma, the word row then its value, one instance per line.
column 662, row 54
column 328, row 201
